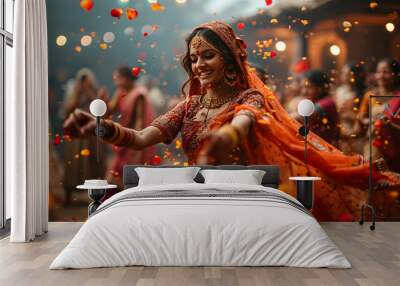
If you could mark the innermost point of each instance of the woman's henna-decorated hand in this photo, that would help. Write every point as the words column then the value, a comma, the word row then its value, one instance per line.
column 79, row 124
column 217, row 150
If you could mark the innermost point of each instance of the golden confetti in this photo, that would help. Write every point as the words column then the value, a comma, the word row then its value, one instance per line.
column 78, row 49
column 103, row 46
column 274, row 21
column 76, row 156
column 305, row 22
column 373, row 4
column 85, row 152
column 178, row 144
column 157, row 7
column 324, row 120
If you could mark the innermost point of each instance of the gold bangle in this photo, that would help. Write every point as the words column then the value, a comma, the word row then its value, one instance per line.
column 241, row 134
column 232, row 133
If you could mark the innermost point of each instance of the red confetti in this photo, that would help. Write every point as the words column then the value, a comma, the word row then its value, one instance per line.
column 57, row 139
column 131, row 13
column 268, row 2
column 241, row 26
column 136, row 71
column 377, row 143
column 116, row 12
column 87, row 5
column 378, row 124
column 156, row 160
column 273, row 54
column 301, row 66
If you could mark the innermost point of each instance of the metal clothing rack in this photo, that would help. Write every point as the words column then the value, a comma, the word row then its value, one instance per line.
column 369, row 205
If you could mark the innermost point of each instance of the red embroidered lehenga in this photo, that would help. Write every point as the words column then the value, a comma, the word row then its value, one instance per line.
column 274, row 139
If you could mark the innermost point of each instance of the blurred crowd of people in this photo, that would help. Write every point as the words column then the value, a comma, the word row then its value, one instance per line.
column 341, row 117
column 342, row 108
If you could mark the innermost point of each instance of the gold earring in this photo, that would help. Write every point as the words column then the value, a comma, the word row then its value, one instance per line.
column 230, row 76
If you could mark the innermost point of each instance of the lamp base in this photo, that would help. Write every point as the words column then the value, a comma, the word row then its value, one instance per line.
column 368, row 206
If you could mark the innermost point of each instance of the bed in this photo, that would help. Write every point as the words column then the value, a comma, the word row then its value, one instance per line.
column 199, row 224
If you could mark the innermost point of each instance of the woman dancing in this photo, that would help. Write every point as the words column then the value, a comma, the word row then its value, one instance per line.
column 230, row 117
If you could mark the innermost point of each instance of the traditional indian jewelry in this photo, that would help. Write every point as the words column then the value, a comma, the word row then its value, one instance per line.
column 230, row 131
column 230, row 76
column 199, row 42
column 211, row 102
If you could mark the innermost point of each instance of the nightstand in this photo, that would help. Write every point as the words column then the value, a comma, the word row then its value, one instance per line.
column 95, row 193
column 305, row 190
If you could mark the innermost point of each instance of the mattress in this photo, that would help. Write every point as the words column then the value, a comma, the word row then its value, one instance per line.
column 201, row 225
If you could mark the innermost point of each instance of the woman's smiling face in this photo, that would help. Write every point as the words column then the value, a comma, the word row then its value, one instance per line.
column 207, row 62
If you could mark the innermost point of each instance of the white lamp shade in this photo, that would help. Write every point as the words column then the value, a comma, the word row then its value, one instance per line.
column 98, row 107
column 305, row 107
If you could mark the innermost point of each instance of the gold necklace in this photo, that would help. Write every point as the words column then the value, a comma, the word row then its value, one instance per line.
column 210, row 102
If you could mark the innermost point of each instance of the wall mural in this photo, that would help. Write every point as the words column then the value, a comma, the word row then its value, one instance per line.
column 227, row 86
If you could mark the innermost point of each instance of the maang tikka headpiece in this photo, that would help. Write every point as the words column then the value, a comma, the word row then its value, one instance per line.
column 198, row 42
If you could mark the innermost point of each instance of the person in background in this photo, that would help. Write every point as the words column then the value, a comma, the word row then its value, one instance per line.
column 348, row 97
column 292, row 95
column 385, row 116
column 132, row 109
column 324, row 121
column 79, row 155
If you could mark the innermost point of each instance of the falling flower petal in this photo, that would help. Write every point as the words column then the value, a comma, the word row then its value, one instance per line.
column 156, row 160
column 157, row 7
column 57, row 139
column 85, row 152
column 268, row 2
column 136, row 71
column 131, row 13
column 241, row 25
column 116, row 12
column 87, row 5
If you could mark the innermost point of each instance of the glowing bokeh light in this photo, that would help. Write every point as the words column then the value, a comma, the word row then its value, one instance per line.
column 109, row 37
column 280, row 46
column 335, row 50
column 86, row 40
column 61, row 40
column 389, row 27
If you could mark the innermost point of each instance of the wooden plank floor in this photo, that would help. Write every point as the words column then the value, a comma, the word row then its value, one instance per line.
column 375, row 257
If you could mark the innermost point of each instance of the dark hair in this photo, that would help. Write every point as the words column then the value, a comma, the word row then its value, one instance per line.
column 395, row 69
column 211, row 37
column 319, row 79
column 126, row 72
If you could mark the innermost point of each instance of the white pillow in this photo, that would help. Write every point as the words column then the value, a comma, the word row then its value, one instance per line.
column 248, row 177
column 166, row 176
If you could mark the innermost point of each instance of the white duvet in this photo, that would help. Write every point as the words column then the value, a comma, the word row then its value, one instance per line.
column 205, row 231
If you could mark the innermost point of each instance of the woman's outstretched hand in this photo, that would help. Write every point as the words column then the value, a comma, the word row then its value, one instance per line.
column 217, row 150
column 79, row 124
